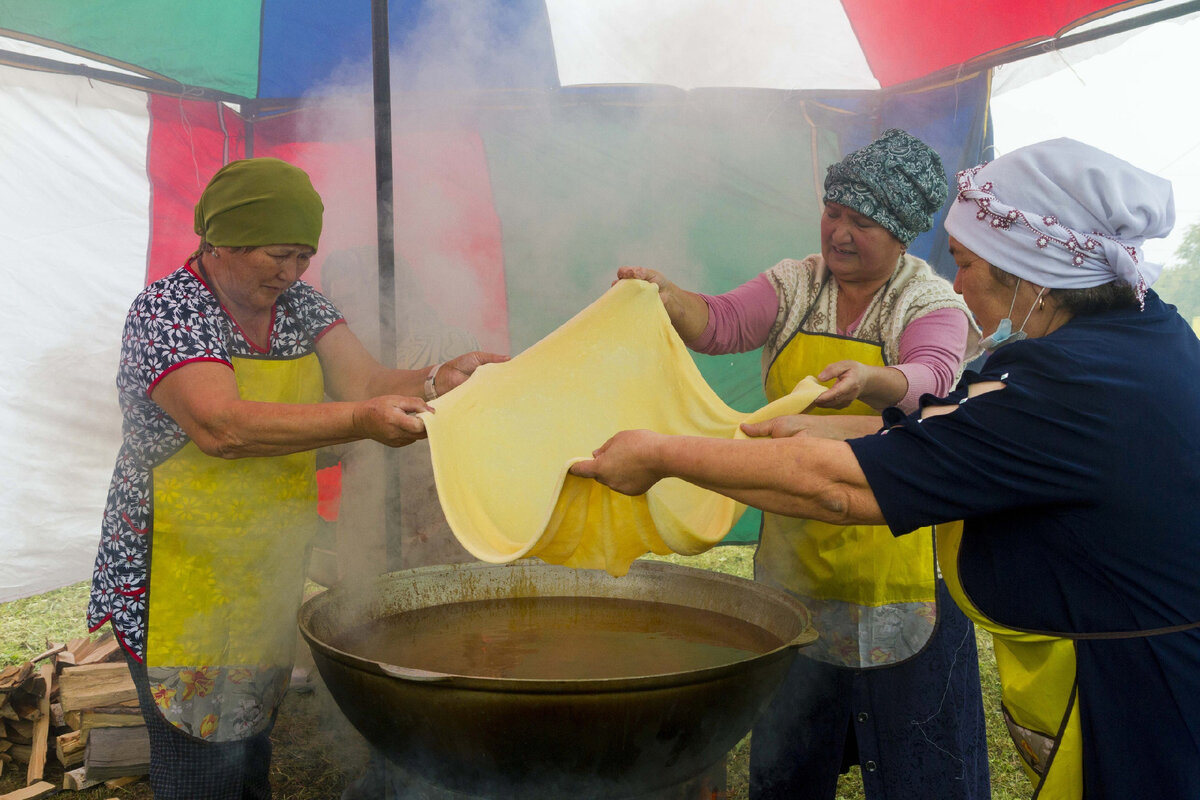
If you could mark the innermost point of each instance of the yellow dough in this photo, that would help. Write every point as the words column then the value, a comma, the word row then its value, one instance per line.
column 502, row 442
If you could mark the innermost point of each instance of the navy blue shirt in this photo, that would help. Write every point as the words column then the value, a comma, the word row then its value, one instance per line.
column 1079, row 487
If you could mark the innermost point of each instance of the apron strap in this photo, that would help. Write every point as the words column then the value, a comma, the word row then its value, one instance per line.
column 1187, row 626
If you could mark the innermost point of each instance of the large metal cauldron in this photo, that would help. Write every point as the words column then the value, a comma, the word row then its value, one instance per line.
column 496, row 737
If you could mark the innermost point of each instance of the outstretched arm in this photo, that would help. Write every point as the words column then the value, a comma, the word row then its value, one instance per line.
column 824, row 426
column 796, row 476
column 687, row 310
column 878, row 387
column 352, row 373
column 202, row 397
column 375, row 403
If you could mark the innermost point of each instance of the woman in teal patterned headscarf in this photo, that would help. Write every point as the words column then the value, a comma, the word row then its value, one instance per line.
column 893, row 682
column 897, row 180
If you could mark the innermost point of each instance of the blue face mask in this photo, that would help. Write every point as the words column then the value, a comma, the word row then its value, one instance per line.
column 1004, row 332
column 1003, row 335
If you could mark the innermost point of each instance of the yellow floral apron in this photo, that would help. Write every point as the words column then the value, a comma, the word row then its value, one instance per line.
column 872, row 595
column 227, row 568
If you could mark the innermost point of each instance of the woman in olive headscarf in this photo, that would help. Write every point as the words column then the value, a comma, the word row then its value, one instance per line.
column 893, row 682
column 224, row 367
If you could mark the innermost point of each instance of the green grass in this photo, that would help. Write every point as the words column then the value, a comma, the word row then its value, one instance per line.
column 317, row 752
column 27, row 625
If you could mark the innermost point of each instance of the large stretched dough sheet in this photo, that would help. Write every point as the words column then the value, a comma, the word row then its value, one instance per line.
column 502, row 442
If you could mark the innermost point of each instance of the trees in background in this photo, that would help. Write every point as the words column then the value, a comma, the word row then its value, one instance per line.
column 1180, row 282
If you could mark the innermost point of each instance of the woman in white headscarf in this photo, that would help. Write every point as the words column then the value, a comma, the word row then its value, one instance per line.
column 1061, row 478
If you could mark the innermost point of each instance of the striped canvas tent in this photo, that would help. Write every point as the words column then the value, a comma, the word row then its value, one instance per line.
column 536, row 145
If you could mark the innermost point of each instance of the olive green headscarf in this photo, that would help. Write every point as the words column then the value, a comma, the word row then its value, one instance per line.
column 259, row 201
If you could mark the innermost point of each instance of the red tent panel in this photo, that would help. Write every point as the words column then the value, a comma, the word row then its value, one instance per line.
column 188, row 142
column 448, row 231
column 908, row 39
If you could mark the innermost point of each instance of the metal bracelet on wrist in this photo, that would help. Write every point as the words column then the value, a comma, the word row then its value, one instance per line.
column 431, row 392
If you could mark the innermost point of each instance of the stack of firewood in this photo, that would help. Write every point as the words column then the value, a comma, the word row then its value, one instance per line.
column 74, row 703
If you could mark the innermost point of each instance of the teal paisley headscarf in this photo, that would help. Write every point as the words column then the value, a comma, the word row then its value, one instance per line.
column 897, row 180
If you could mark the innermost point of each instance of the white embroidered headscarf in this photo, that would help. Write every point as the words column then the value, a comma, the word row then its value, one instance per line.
column 1064, row 215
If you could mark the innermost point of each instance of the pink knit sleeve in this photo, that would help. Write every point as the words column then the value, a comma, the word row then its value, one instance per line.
column 931, row 351
column 738, row 320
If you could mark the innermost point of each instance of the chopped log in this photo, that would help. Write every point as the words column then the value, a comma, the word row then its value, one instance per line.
column 4, row 745
column 20, row 753
column 104, row 716
column 52, row 650
column 122, row 782
column 6, row 709
column 12, row 677
column 93, row 685
column 104, row 650
column 43, row 686
column 19, row 732
column 69, row 749
column 41, row 731
column 75, row 720
column 90, row 651
column 117, row 752
column 39, row 789
column 76, row 780
column 68, row 652
column 25, row 705
column 57, row 718
column 108, row 717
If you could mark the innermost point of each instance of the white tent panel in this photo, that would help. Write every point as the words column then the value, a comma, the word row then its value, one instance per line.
column 1099, row 94
column 55, row 54
column 756, row 44
column 73, row 194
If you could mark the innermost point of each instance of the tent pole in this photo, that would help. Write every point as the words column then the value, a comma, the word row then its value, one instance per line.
column 381, row 71
column 383, row 182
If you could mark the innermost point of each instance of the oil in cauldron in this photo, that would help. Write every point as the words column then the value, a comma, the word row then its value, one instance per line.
column 558, row 638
